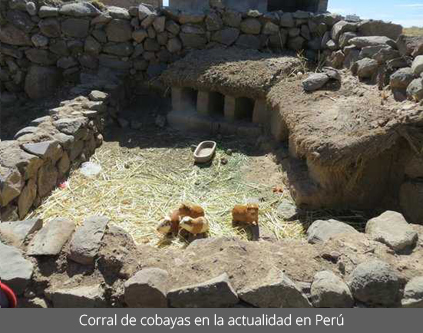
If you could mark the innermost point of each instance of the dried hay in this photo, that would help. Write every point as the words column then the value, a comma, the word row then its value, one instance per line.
column 138, row 187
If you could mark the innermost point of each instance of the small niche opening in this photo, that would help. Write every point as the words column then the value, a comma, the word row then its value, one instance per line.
column 217, row 104
column 244, row 109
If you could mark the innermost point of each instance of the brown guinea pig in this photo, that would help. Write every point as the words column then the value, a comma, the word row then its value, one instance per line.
column 191, row 211
column 246, row 214
column 196, row 226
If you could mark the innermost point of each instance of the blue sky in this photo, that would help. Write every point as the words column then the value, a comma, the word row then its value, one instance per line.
column 405, row 12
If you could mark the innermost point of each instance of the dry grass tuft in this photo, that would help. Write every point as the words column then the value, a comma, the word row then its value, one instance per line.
column 138, row 187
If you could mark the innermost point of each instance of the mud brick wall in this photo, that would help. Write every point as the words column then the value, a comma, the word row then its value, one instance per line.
column 43, row 46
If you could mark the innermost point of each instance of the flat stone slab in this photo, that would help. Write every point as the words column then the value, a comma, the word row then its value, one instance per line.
column 77, row 297
column 214, row 293
column 392, row 229
column 17, row 232
column 321, row 230
column 50, row 239
column 15, row 270
column 276, row 290
column 86, row 241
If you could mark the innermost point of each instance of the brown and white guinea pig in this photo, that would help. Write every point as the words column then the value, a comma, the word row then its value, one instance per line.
column 247, row 214
column 170, row 224
column 199, row 225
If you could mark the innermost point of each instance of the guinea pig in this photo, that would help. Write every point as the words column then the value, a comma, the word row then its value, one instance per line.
column 196, row 226
column 165, row 227
column 247, row 214
column 191, row 211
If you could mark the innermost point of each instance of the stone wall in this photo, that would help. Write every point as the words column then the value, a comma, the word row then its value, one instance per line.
column 42, row 46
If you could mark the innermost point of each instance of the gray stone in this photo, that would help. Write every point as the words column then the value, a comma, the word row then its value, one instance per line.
column 270, row 28
column 330, row 291
column 250, row 26
column 113, row 63
column 51, row 238
column 143, row 12
column 78, row 28
column 287, row 20
column 276, row 290
column 287, row 209
column 361, row 42
column 92, row 46
column 392, row 229
column 15, row 270
column 41, row 57
column 86, row 241
column 118, row 12
column 173, row 27
column 248, row 42
column 47, row 11
column 11, row 184
column 119, row 49
column 17, row 232
column 59, row 47
column 415, row 89
column 232, row 18
column 151, row 45
column 345, row 38
column 174, row 45
column 71, row 126
column 380, row 28
column 315, row 81
column 47, row 179
column 20, row 20
column 9, row 34
column 79, row 9
column 341, row 27
column 119, row 31
column 193, row 40
column 365, row 68
column 139, row 35
column 226, row 36
column 296, row 43
column 214, row 293
column 77, row 297
column 27, row 197
column 375, row 283
column 39, row 40
column 417, row 66
column 25, row 131
column 385, row 54
column 321, row 231
column 97, row 96
column 50, row 27
column 45, row 150
column 159, row 24
column 147, row 289
column 413, row 293
column 214, row 22
column 371, row 51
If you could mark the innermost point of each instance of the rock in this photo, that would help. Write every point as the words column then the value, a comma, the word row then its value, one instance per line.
column 251, row 26
column 78, row 28
column 143, row 12
column 315, row 81
column 173, row 27
column 92, row 46
column 375, row 283
column 341, row 27
column 71, row 126
column 118, row 12
column 410, row 45
column 379, row 28
column 413, row 293
column 41, row 57
column 415, row 90
column 151, row 45
column 232, row 18
column 330, row 291
column 287, row 209
column 361, row 42
column 86, row 241
column 79, row 9
column 11, row 184
column 46, row 150
column 214, row 22
column 417, row 66
column 9, row 34
column 139, row 35
column 174, row 45
column 97, row 96
column 411, row 196
column 193, row 40
column 159, row 24
column 27, row 197
column 214, row 293
column 296, row 43
column 365, row 68
column 47, row 179
column 20, row 20
column 276, row 290
column 385, row 54
column 147, row 289
column 15, row 270
column 248, row 42
column 322, row 231
column 39, row 40
column 119, row 31
column 119, row 49
column 392, row 229
column 226, row 36
column 345, row 38
column 160, row 121
column 77, row 297
column 287, row 20
column 401, row 78
column 17, row 232
column 51, row 238
column 50, row 27
column 47, row 11
column 270, row 28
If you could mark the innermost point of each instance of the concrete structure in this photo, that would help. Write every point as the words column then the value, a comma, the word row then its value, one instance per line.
column 261, row 5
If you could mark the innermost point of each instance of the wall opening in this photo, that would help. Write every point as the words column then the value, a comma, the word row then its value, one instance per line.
column 244, row 109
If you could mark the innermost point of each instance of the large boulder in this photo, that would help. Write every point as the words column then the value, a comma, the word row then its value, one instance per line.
column 330, row 291
column 375, row 283
column 361, row 42
column 215, row 293
column 79, row 9
column 276, row 290
column 9, row 34
column 147, row 289
column 365, row 68
column 341, row 27
column 410, row 45
column 41, row 82
column 392, row 229
column 401, row 78
column 380, row 28
column 415, row 90
column 413, row 293
column 417, row 66
column 119, row 31
column 321, row 231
